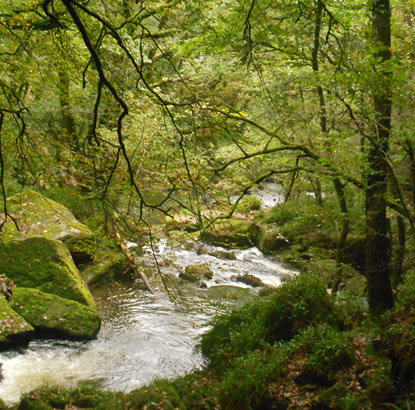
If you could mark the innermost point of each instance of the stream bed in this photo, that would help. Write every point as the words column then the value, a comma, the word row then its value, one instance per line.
column 143, row 336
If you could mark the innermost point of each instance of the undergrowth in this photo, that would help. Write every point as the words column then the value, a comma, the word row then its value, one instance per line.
column 296, row 348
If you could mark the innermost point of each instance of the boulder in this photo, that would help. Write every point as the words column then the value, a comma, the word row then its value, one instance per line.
column 44, row 264
column 195, row 273
column 230, row 233
column 52, row 315
column 14, row 330
column 267, row 238
column 248, row 280
column 110, row 265
column 37, row 215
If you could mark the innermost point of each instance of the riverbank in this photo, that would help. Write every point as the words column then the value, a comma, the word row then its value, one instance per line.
column 296, row 348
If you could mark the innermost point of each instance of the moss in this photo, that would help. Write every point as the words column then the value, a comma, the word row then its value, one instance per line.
column 267, row 238
column 14, row 330
column 248, row 279
column 84, row 396
column 194, row 273
column 297, row 304
column 44, row 264
column 37, row 215
column 112, row 264
column 232, row 233
column 159, row 395
column 55, row 316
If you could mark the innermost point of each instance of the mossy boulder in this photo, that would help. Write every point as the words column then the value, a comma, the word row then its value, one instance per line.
column 267, row 238
column 159, row 395
column 195, row 273
column 112, row 264
column 231, row 233
column 37, row 215
column 52, row 315
column 44, row 264
column 248, row 279
column 14, row 330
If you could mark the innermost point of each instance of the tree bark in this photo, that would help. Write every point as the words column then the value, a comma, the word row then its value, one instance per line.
column 377, row 241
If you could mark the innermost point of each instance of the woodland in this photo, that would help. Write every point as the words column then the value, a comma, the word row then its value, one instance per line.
column 147, row 117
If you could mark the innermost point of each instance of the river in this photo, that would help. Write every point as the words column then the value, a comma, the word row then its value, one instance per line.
column 143, row 336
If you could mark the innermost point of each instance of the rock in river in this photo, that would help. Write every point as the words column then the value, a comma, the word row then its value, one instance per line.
column 14, row 330
column 44, row 264
column 54, row 316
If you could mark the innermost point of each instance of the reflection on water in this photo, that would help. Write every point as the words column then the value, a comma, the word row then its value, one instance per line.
column 143, row 336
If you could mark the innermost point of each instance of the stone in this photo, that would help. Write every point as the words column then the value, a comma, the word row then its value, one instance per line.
column 37, row 215
column 267, row 238
column 195, row 273
column 230, row 233
column 52, row 315
column 44, row 264
column 248, row 279
column 110, row 265
column 14, row 330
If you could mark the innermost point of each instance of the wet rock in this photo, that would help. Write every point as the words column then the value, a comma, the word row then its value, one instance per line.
column 202, row 285
column 218, row 253
column 44, row 264
column 232, row 233
column 195, row 273
column 14, row 330
column 248, row 280
column 112, row 264
column 267, row 238
column 228, row 292
column 55, row 316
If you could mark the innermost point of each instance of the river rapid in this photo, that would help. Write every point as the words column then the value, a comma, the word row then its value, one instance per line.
column 143, row 336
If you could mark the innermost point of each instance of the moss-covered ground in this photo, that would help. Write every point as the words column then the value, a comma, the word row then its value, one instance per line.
column 295, row 348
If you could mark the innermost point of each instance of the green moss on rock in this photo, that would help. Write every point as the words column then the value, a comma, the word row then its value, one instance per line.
column 37, row 215
column 232, row 233
column 267, row 238
column 44, row 264
column 114, row 263
column 56, row 316
column 194, row 273
column 14, row 330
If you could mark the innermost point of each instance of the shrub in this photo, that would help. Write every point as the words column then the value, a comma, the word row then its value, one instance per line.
column 247, row 384
column 328, row 350
column 301, row 302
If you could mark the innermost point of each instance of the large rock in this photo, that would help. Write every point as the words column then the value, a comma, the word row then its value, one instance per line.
column 195, row 273
column 44, row 264
column 54, row 316
column 14, row 330
column 37, row 215
column 267, row 238
column 231, row 233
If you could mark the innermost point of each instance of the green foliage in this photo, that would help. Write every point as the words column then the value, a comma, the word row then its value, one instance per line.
column 249, row 203
column 297, row 304
column 198, row 390
column 84, row 396
column 159, row 395
column 247, row 383
column 329, row 350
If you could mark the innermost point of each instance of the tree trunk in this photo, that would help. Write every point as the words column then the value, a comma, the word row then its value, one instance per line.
column 377, row 242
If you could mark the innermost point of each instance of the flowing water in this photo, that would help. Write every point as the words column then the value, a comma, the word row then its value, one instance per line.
column 143, row 336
